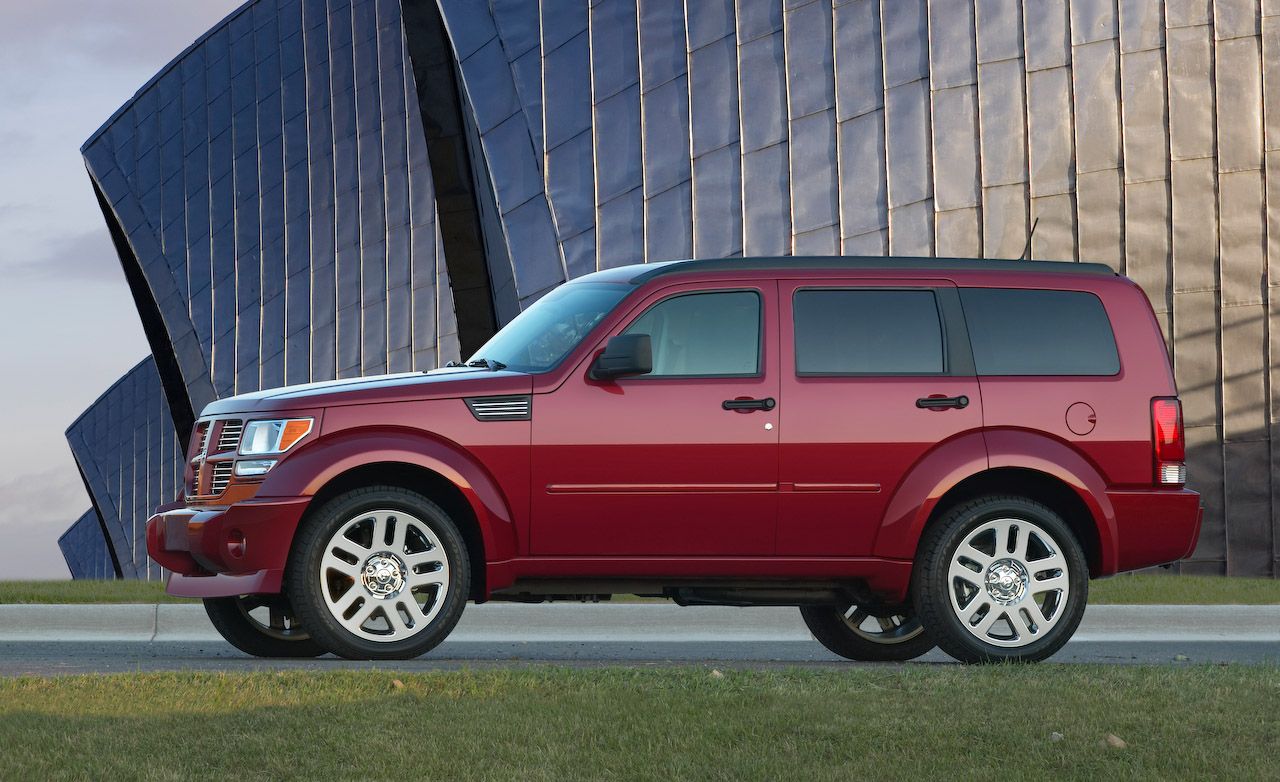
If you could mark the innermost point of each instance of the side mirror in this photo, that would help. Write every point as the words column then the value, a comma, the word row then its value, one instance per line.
column 624, row 355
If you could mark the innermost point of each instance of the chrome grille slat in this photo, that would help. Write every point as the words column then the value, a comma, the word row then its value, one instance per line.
column 229, row 436
column 199, row 443
column 220, row 477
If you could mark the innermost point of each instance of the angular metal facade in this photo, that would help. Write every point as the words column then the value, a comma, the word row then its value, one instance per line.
column 130, row 459
column 85, row 549
column 1139, row 133
column 272, row 189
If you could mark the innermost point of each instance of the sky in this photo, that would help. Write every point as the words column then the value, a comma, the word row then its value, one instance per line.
column 68, row 327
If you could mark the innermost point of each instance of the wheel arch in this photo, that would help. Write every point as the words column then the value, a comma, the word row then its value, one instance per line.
column 442, row 472
column 1037, row 486
column 439, row 489
column 1004, row 462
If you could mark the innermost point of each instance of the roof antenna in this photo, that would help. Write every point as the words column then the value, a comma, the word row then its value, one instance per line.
column 1026, row 252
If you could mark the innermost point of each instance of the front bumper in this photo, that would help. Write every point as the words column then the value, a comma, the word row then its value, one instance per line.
column 236, row 550
column 1155, row 527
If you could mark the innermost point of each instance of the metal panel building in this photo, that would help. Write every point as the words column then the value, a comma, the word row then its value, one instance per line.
column 130, row 459
column 85, row 548
column 337, row 187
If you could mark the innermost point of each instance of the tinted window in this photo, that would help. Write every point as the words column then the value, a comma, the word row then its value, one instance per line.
column 704, row 334
column 1029, row 332
column 858, row 332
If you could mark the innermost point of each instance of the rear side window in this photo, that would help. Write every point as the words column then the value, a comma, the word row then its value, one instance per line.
column 1033, row 332
column 867, row 332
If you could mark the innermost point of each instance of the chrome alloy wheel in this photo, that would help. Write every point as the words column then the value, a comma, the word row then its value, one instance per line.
column 384, row 575
column 894, row 629
column 1008, row 582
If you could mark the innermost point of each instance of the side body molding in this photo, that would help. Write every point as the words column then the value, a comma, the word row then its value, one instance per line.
column 305, row 473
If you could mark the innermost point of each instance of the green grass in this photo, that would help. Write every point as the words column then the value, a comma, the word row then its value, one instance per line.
column 85, row 592
column 621, row 724
column 1138, row 589
column 1147, row 589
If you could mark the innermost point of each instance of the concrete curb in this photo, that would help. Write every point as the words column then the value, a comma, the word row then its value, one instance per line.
column 631, row 623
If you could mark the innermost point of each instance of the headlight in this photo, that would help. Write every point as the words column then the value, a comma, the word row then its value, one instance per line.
column 273, row 436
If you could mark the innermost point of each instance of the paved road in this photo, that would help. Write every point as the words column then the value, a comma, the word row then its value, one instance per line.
column 52, row 659
column 50, row 641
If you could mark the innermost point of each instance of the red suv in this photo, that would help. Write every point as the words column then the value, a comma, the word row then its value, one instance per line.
column 915, row 452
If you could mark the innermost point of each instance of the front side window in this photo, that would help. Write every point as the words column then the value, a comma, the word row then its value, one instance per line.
column 867, row 332
column 539, row 338
column 703, row 334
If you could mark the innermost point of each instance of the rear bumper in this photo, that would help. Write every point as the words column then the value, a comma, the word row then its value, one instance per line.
column 240, row 549
column 1155, row 527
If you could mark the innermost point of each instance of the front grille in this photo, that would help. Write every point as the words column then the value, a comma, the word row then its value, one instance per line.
column 229, row 437
column 220, row 476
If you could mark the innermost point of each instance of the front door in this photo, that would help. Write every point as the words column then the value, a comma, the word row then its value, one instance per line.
column 656, row 465
column 873, row 386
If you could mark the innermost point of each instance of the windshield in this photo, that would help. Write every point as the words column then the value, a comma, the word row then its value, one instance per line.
column 540, row 337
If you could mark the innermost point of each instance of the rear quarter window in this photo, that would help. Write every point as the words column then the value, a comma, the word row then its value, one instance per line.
column 1037, row 332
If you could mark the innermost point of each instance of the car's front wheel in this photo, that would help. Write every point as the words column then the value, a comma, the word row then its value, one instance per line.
column 379, row 573
column 261, row 625
column 1000, row 579
column 867, row 634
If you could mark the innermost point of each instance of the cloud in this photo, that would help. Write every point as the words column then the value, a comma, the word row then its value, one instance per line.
column 86, row 256
column 119, row 33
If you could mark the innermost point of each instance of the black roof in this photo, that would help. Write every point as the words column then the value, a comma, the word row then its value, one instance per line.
column 860, row 263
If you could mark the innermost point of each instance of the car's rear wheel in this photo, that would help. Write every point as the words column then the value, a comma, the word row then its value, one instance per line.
column 870, row 635
column 1000, row 579
column 261, row 625
column 379, row 573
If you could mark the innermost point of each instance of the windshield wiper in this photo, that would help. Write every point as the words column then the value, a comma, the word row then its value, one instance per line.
column 480, row 363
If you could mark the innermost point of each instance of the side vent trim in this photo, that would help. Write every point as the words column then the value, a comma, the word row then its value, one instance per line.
column 501, row 408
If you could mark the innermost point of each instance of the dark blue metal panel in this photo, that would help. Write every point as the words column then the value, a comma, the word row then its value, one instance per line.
column 85, row 549
column 128, row 453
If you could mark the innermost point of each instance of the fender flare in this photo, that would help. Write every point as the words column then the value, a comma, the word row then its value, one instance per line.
column 1032, row 451
column 309, row 470
column 915, row 497
column 970, row 455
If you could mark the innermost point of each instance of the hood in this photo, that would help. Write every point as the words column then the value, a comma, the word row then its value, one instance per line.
column 445, row 383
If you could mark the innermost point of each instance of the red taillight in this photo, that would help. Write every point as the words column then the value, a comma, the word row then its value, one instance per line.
column 1169, row 441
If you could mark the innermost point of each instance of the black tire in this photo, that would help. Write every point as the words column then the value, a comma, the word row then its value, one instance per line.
column 906, row 639
column 303, row 575
column 281, row 636
column 937, row 595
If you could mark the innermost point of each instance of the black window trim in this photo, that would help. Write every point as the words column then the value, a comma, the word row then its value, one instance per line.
column 955, row 342
column 759, row 373
column 1105, row 315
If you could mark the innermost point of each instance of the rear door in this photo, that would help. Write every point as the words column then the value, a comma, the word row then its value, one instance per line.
column 876, row 374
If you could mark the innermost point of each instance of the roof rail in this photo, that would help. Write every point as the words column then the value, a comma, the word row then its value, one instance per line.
column 859, row 263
